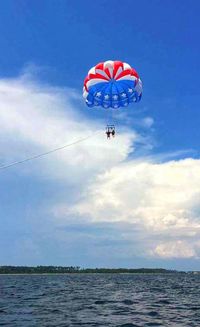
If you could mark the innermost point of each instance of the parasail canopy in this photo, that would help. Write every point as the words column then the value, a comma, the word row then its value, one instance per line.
column 112, row 84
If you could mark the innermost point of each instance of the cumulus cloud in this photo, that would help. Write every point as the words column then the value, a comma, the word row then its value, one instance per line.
column 163, row 199
column 37, row 118
column 161, row 195
column 176, row 249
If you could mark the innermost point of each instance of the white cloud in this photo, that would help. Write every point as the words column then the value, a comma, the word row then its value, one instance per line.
column 160, row 195
column 148, row 122
column 37, row 118
column 176, row 249
column 163, row 199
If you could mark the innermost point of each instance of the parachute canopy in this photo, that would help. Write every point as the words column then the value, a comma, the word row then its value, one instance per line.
column 112, row 84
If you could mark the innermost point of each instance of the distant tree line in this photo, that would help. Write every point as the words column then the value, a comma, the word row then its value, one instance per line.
column 71, row 269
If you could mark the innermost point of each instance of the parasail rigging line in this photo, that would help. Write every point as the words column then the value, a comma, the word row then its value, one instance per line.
column 37, row 156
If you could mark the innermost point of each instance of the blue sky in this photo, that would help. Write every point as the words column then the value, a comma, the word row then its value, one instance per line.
column 47, row 47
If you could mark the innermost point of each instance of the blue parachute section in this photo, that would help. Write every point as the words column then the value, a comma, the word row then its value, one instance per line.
column 113, row 94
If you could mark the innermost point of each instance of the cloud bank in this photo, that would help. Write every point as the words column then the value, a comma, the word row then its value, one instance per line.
column 153, row 205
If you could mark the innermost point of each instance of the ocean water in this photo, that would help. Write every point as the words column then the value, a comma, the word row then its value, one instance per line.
column 117, row 300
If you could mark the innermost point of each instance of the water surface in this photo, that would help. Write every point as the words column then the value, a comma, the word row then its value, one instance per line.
column 117, row 300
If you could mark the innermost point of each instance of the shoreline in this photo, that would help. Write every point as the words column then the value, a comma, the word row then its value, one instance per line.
column 99, row 273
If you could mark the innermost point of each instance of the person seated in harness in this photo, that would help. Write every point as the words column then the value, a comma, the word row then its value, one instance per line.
column 113, row 132
column 108, row 132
